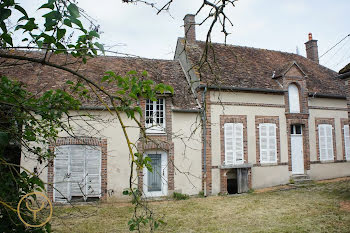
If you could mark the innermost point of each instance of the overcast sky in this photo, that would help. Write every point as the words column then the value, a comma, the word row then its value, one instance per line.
column 271, row 24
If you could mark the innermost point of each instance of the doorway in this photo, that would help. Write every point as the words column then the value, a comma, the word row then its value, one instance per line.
column 296, row 141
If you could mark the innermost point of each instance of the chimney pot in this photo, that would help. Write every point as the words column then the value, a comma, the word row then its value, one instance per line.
column 312, row 49
column 190, row 28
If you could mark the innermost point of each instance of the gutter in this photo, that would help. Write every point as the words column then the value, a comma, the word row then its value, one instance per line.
column 204, row 124
column 231, row 88
column 345, row 75
column 318, row 95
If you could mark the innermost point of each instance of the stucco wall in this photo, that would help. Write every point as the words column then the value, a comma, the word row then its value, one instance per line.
column 329, row 170
column 105, row 126
column 318, row 113
column 187, row 150
column 269, row 176
column 250, row 112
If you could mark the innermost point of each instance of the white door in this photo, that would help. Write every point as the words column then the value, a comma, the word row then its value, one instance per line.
column 155, row 183
column 296, row 139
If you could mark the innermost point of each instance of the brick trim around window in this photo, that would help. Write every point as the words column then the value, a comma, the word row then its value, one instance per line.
column 343, row 121
column 80, row 141
column 232, row 119
column 267, row 119
column 159, row 142
column 329, row 121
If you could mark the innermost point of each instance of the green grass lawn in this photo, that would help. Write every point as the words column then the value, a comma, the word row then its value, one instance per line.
column 322, row 207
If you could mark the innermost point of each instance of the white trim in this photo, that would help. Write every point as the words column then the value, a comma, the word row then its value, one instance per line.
column 153, row 128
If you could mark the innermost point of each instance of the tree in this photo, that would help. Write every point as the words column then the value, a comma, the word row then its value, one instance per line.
column 38, row 119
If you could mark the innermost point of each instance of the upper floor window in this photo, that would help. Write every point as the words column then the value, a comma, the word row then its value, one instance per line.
column 268, row 143
column 155, row 116
column 325, row 137
column 293, row 95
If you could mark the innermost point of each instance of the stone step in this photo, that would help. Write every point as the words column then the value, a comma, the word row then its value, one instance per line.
column 300, row 179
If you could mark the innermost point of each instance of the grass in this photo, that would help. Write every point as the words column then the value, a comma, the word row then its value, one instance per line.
column 314, row 208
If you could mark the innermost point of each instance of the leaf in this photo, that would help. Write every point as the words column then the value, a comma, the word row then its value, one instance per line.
column 47, row 6
column 100, row 47
column 69, row 82
column 73, row 10
column 94, row 34
column 7, row 38
column 67, row 22
column 4, row 14
column 60, row 33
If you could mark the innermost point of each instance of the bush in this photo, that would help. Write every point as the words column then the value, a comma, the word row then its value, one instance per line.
column 180, row 196
column 201, row 194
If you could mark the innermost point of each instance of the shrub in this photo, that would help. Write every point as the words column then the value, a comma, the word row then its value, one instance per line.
column 180, row 196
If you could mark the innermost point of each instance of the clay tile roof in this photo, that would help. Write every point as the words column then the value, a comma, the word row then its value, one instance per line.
column 39, row 78
column 246, row 67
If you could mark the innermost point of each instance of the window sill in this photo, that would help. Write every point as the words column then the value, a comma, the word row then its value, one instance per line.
column 269, row 164
column 326, row 161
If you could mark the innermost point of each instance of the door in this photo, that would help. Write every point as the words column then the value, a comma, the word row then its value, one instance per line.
column 296, row 140
column 155, row 182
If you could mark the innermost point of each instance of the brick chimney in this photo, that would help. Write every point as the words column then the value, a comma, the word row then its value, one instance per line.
column 190, row 28
column 312, row 49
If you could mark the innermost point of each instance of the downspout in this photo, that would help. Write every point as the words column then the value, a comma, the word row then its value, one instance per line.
column 204, row 124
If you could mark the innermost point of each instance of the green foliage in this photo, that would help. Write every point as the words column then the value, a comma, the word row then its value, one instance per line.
column 61, row 17
column 201, row 194
column 29, row 121
column 180, row 196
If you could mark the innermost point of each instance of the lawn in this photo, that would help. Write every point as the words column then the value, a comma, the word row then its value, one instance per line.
column 321, row 207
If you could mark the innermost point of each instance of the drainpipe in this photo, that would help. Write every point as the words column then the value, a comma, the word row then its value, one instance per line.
column 204, row 123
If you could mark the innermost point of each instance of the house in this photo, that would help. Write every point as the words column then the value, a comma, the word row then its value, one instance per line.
column 255, row 118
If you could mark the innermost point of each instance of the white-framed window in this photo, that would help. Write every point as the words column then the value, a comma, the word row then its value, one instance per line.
column 268, row 143
column 347, row 142
column 234, row 151
column 155, row 116
column 325, row 141
column 155, row 183
column 293, row 96
column 77, row 172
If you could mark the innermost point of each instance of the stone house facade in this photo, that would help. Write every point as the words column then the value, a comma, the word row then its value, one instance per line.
column 254, row 118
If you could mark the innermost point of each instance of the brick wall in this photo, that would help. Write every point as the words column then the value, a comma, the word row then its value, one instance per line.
column 80, row 141
column 232, row 119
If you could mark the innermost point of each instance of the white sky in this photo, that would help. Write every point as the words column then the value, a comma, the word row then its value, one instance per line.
column 271, row 24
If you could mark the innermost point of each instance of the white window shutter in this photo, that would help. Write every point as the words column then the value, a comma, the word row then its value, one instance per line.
column 77, row 170
column 325, row 139
column 61, row 174
column 229, row 147
column 268, row 144
column 347, row 142
column 93, row 171
column 239, row 143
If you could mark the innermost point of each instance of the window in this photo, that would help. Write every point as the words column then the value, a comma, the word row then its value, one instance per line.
column 325, row 139
column 293, row 95
column 155, row 116
column 296, row 129
column 268, row 145
column 347, row 142
column 77, row 172
column 233, row 143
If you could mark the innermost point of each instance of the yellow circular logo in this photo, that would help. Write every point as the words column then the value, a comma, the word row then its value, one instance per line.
column 36, row 210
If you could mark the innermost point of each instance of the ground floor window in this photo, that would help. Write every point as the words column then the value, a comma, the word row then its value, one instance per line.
column 268, row 143
column 155, row 182
column 233, row 143
column 325, row 139
column 77, row 172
